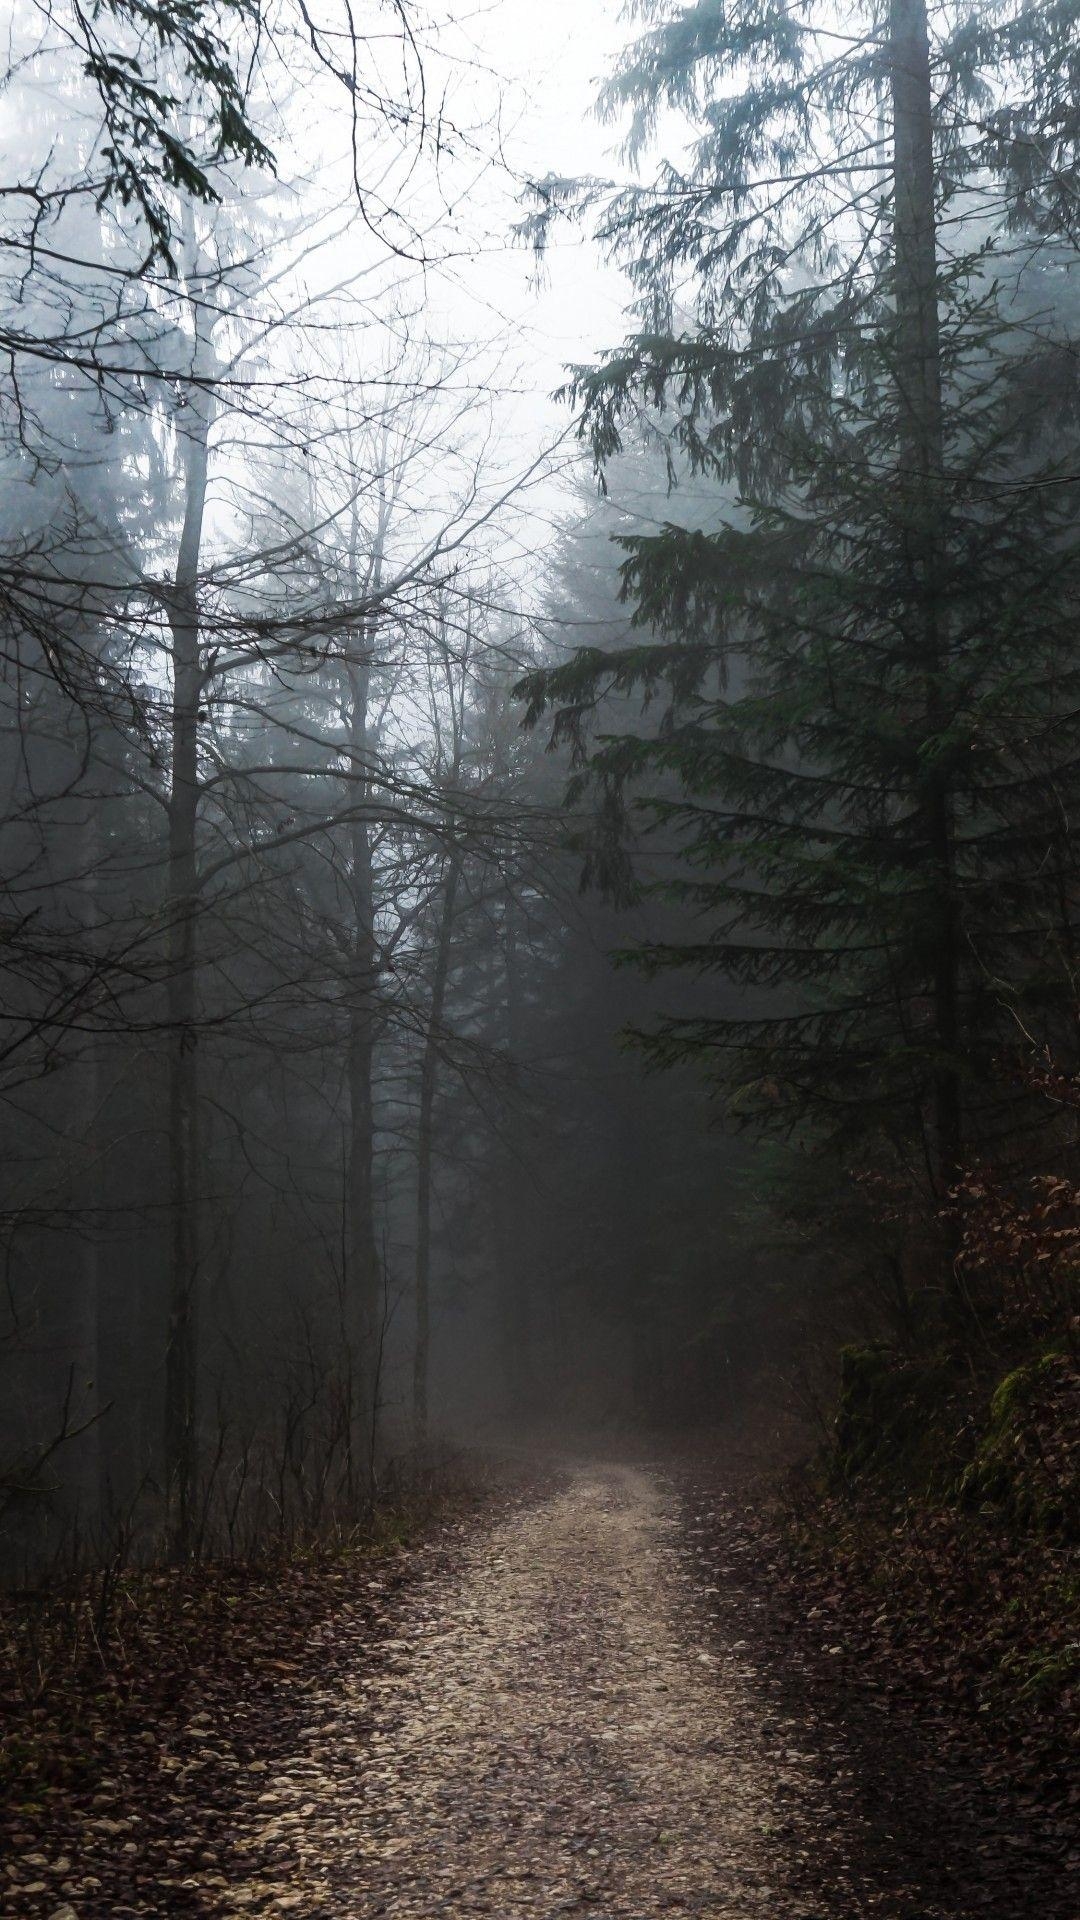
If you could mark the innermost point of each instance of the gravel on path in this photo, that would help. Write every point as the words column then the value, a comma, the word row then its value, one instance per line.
column 546, row 1733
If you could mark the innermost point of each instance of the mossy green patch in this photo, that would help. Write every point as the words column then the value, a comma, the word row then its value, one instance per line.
column 1026, row 1464
column 1014, row 1395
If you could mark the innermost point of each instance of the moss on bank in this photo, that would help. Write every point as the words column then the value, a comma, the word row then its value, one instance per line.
column 1026, row 1465
column 923, row 1428
column 948, row 1513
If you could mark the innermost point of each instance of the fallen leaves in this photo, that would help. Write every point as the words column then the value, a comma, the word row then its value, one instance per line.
column 560, row 1703
column 890, row 1635
column 121, row 1773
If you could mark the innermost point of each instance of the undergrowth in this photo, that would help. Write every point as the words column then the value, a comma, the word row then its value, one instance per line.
column 943, row 1527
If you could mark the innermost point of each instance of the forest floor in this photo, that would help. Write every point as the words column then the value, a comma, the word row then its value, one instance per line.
column 572, row 1701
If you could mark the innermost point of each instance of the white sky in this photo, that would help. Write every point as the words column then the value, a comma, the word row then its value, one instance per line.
column 554, row 53
column 525, row 72
column 546, row 59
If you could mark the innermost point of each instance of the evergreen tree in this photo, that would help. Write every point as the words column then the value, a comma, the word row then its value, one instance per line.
column 870, row 668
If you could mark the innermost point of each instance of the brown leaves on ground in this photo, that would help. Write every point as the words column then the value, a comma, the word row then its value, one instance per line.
column 937, row 1647
column 127, row 1744
column 544, row 1735
column 570, row 1701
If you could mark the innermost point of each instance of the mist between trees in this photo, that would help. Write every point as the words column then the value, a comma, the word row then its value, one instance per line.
column 322, row 1139
column 309, row 1081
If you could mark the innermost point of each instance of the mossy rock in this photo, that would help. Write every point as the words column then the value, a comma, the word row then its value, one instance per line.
column 1027, row 1466
column 889, row 1412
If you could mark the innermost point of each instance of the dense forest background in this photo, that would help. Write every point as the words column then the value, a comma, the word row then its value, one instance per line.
column 340, row 1121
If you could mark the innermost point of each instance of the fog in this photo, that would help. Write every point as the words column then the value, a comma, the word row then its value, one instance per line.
column 518, row 922
column 318, row 1144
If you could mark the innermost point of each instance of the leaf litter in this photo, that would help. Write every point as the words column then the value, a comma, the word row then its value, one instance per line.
column 561, row 1703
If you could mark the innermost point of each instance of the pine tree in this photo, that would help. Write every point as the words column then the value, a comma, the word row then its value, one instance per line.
column 871, row 673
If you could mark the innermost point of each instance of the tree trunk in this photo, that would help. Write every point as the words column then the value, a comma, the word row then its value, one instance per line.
column 429, row 1073
column 364, row 1275
column 922, row 468
column 181, row 1363
column 511, row 1243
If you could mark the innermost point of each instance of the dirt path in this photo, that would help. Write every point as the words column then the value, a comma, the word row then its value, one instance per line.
column 546, row 1734
column 573, row 1697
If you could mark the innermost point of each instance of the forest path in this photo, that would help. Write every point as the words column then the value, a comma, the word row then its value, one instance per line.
column 591, row 1695
column 545, row 1734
